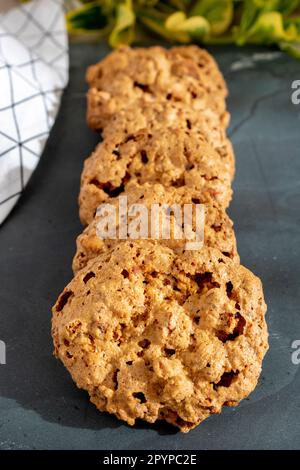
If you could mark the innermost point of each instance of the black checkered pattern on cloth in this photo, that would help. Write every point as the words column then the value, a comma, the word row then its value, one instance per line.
column 33, row 73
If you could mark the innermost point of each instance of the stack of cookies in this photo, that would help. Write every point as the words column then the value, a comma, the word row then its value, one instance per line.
column 152, row 330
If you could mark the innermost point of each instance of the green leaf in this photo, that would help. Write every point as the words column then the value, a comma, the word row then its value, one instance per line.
column 147, row 3
column 180, row 4
column 123, row 32
column 250, row 14
column 183, row 28
column 252, row 9
column 269, row 28
column 90, row 17
column 219, row 14
column 288, row 6
column 292, row 48
column 293, row 23
column 161, row 6
column 155, row 21
column 206, row 21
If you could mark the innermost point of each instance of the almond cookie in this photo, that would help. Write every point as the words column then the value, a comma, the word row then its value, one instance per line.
column 154, row 73
column 158, row 115
column 218, row 228
column 157, row 336
column 170, row 157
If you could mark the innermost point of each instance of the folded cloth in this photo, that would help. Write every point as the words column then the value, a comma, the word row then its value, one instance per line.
column 34, row 68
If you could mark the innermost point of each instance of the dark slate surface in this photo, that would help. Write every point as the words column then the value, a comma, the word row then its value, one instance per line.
column 40, row 408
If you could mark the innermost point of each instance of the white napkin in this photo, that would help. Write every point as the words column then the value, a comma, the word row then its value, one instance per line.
column 34, row 68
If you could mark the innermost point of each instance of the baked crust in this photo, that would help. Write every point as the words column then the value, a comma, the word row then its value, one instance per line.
column 168, row 156
column 158, row 115
column 151, row 334
column 218, row 228
column 183, row 74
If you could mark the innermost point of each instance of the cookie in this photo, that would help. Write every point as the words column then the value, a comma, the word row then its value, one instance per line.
column 151, row 64
column 162, row 115
column 102, row 107
column 207, row 66
column 218, row 228
column 168, row 156
column 127, row 75
column 153, row 335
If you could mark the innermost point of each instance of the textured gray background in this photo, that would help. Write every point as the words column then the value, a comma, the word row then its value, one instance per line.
column 40, row 408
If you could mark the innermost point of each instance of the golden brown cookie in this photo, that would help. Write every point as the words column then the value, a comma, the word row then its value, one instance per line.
column 163, row 115
column 170, row 157
column 218, row 228
column 154, row 335
column 188, row 75
column 209, row 71
column 152, row 64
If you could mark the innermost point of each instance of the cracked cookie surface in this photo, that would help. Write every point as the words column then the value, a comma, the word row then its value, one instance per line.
column 154, row 335
column 185, row 74
column 168, row 156
column 218, row 228
column 168, row 115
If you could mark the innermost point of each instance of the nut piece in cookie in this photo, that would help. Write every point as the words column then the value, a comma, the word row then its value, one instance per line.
column 154, row 335
column 170, row 157
column 218, row 228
